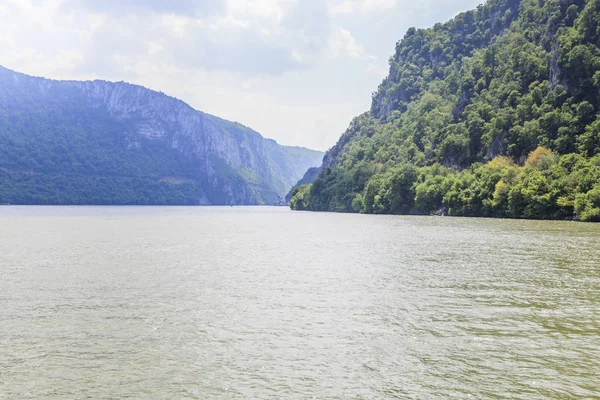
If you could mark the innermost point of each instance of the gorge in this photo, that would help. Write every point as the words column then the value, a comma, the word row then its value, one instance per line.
column 98, row 142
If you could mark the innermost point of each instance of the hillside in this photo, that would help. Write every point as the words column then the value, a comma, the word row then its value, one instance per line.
column 494, row 113
column 69, row 142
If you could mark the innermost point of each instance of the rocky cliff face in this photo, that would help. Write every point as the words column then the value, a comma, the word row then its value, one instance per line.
column 235, row 164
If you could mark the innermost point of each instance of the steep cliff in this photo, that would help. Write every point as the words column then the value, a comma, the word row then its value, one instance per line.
column 466, row 113
column 117, row 143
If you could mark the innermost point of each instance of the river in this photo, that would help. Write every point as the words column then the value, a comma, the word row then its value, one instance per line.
column 266, row 303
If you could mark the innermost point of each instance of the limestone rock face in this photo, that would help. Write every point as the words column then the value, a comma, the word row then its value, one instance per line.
column 233, row 163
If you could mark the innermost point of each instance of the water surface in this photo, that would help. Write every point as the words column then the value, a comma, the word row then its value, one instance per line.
column 265, row 303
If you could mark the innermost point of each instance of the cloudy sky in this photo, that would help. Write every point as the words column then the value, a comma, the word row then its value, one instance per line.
column 294, row 70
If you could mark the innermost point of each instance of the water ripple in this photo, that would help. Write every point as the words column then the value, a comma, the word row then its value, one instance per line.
column 264, row 303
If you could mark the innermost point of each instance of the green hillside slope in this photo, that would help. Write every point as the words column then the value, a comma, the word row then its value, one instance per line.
column 68, row 142
column 495, row 113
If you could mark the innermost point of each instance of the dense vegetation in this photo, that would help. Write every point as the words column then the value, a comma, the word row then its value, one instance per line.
column 495, row 113
column 59, row 146
column 57, row 151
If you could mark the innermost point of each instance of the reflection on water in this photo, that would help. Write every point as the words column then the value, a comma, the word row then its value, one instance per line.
column 265, row 303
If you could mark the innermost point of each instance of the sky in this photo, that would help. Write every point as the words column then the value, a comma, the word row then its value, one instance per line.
column 296, row 71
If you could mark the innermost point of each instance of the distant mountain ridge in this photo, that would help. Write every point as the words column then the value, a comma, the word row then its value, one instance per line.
column 98, row 142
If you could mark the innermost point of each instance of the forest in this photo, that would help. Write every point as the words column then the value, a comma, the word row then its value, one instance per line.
column 494, row 113
column 98, row 142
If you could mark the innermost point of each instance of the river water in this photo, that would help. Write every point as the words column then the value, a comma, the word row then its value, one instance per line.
column 266, row 303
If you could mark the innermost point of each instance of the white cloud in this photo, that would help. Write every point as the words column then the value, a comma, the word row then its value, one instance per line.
column 194, row 8
column 174, row 24
column 361, row 6
column 262, row 9
column 294, row 70
column 343, row 44
column 377, row 70
column 267, row 37
column 46, row 65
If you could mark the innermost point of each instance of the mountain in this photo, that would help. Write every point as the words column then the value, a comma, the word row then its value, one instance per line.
column 308, row 178
column 494, row 113
column 97, row 142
